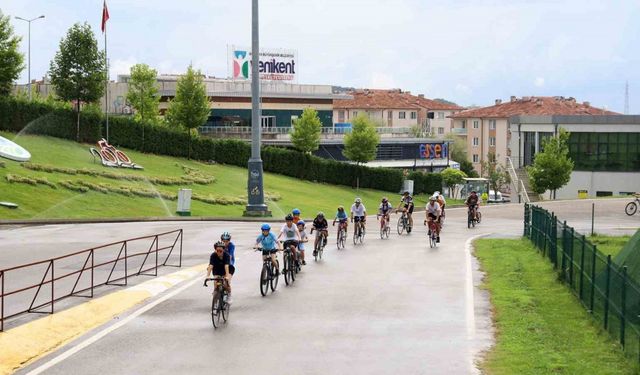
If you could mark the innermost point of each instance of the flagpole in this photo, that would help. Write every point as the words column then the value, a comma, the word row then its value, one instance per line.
column 106, row 83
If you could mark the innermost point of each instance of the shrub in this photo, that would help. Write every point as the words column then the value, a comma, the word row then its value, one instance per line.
column 69, row 185
column 425, row 183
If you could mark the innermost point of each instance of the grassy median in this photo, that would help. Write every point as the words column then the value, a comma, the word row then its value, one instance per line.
column 541, row 327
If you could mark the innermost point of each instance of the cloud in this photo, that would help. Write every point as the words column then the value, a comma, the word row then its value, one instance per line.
column 539, row 82
column 463, row 89
column 121, row 66
column 382, row 81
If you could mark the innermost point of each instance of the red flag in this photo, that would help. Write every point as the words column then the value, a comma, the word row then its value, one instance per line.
column 105, row 16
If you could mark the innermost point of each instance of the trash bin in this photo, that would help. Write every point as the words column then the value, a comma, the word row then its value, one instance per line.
column 184, row 202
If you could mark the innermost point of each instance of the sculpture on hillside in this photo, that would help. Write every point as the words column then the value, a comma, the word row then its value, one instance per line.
column 112, row 157
column 12, row 151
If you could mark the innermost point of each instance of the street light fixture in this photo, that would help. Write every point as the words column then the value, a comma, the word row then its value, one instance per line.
column 29, row 55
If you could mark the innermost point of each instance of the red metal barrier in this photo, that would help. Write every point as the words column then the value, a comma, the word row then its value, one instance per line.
column 49, row 277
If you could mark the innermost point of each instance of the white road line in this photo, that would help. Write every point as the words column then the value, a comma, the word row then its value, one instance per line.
column 110, row 329
column 469, row 299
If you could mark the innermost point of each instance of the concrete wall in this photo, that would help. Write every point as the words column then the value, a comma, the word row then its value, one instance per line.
column 615, row 182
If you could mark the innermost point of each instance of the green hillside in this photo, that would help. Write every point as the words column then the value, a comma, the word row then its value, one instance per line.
column 115, row 192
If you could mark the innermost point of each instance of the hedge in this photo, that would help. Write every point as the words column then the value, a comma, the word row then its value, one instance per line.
column 41, row 118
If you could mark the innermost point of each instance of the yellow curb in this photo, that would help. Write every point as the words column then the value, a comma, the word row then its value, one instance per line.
column 33, row 340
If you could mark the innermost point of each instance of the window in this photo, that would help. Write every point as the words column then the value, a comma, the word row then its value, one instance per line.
column 340, row 116
column 440, row 115
column 440, row 130
column 492, row 124
column 476, row 124
column 605, row 151
column 390, row 115
column 476, row 159
column 492, row 141
column 355, row 113
column 464, row 124
column 476, row 141
column 604, row 193
column 414, row 115
column 402, row 115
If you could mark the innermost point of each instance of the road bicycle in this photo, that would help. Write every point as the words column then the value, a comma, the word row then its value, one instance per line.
column 268, row 275
column 471, row 221
column 359, row 232
column 403, row 223
column 219, row 305
column 289, row 270
column 320, row 244
column 341, row 238
column 385, row 229
column 432, row 233
column 632, row 207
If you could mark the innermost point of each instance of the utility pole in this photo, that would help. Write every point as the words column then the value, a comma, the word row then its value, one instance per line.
column 255, row 186
column 29, row 53
column 626, row 98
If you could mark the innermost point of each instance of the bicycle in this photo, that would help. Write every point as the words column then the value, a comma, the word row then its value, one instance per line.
column 471, row 221
column 342, row 236
column 269, row 275
column 403, row 223
column 385, row 229
column 632, row 207
column 432, row 233
column 358, row 235
column 322, row 241
column 219, row 305
column 289, row 270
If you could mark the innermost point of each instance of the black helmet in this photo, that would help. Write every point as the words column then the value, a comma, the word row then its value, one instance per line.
column 289, row 217
column 218, row 244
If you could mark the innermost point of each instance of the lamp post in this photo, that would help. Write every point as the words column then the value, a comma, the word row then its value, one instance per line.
column 29, row 54
column 255, row 187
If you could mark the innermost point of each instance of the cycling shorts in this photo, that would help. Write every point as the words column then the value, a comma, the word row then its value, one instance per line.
column 320, row 229
column 432, row 216
column 269, row 252
column 288, row 243
column 342, row 221
column 409, row 207
column 232, row 270
column 359, row 218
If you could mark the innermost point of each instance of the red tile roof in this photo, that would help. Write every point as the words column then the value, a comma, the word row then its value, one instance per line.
column 534, row 105
column 389, row 99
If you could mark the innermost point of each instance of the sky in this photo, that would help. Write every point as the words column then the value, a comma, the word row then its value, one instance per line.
column 468, row 51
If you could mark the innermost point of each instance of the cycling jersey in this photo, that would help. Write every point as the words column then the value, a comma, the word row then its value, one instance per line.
column 407, row 200
column 341, row 216
column 296, row 219
column 231, row 250
column 384, row 208
column 267, row 242
column 290, row 232
column 472, row 201
column 320, row 223
column 219, row 263
column 303, row 236
column 358, row 210
column 433, row 208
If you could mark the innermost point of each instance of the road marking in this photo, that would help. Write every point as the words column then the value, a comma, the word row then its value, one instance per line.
column 31, row 341
column 469, row 299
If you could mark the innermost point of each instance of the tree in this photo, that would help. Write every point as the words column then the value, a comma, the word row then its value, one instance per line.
column 190, row 107
column 78, row 71
column 495, row 173
column 306, row 131
column 467, row 167
column 143, row 93
column 11, row 60
column 360, row 145
column 452, row 177
column 552, row 167
column 458, row 152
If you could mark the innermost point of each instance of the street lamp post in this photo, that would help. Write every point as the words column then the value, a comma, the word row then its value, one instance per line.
column 255, row 187
column 29, row 53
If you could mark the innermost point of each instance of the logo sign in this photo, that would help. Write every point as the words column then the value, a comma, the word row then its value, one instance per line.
column 434, row 150
column 274, row 64
column 12, row 151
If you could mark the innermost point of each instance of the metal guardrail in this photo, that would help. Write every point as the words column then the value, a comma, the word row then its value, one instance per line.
column 519, row 185
column 54, row 273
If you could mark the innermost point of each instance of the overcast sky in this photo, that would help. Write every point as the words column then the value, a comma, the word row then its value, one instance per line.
column 467, row 51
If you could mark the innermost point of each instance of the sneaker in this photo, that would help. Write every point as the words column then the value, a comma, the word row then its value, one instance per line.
column 315, row 252
column 438, row 239
column 304, row 263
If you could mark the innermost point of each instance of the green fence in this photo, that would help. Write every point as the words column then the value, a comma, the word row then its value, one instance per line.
column 602, row 286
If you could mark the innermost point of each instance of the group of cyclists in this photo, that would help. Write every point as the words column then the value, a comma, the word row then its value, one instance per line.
column 293, row 233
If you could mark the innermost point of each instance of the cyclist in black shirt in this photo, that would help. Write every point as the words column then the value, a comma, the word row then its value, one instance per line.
column 220, row 265
column 320, row 225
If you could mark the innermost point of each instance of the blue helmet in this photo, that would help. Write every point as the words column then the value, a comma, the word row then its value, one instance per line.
column 265, row 226
column 295, row 211
column 301, row 222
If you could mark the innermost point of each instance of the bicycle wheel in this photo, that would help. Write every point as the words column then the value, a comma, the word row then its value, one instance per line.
column 363, row 231
column 432, row 239
column 343, row 238
column 285, row 270
column 382, row 228
column 215, row 309
column 356, row 233
column 225, row 310
column 264, row 280
column 469, row 220
column 274, row 276
column 387, row 231
column 479, row 215
column 400, row 225
column 315, row 257
column 292, row 269
column 631, row 208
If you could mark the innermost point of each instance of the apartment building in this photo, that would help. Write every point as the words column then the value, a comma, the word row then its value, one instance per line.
column 486, row 129
column 396, row 109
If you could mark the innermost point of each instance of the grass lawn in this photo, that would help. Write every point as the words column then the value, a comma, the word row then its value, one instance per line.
column 541, row 327
column 42, row 201
column 609, row 244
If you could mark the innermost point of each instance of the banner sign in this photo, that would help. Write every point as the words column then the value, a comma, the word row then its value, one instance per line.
column 275, row 64
column 434, row 150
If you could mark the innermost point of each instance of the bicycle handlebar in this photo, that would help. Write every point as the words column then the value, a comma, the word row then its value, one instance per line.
column 215, row 278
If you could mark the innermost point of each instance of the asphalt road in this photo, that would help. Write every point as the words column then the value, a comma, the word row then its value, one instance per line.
column 384, row 306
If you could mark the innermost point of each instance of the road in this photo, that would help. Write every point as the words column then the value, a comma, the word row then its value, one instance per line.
column 385, row 306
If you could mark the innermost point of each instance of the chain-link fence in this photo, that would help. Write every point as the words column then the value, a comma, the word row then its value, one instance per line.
column 602, row 286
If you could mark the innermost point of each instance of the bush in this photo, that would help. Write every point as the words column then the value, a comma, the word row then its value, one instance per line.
column 425, row 182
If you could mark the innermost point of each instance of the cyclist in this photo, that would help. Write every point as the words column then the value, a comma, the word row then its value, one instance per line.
column 342, row 218
column 303, row 238
column 384, row 210
column 358, row 214
column 433, row 212
column 219, row 264
column 296, row 215
column 291, row 236
column 441, row 201
column 473, row 202
column 407, row 203
column 230, row 249
column 270, row 245
column 320, row 225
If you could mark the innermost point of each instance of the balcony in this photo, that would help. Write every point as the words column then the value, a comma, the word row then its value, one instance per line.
column 459, row 131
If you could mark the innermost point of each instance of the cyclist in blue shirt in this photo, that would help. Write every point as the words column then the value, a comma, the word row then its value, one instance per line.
column 342, row 218
column 269, row 244
column 229, row 248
